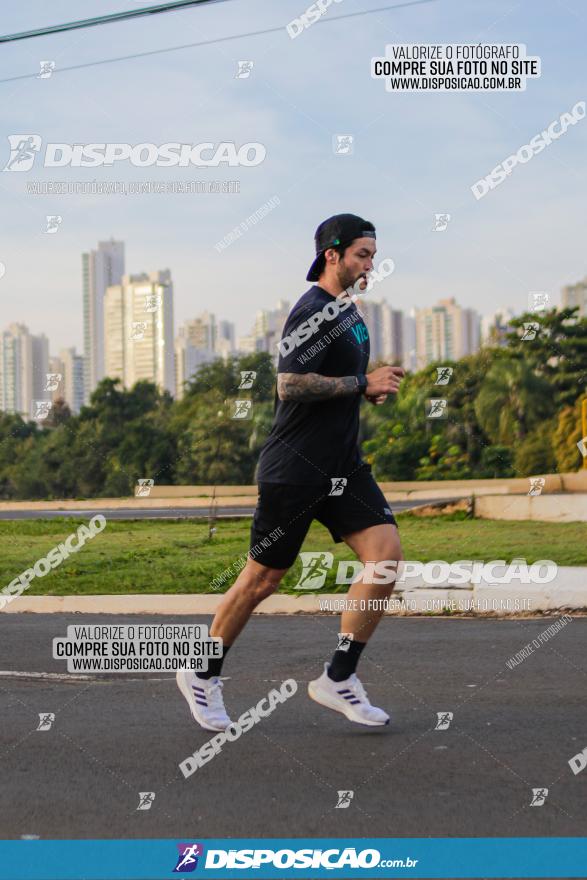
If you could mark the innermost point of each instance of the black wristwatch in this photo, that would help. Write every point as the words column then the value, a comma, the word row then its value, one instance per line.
column 361, row 383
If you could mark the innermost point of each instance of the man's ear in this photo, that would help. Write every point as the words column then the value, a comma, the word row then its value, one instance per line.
column 330, row 255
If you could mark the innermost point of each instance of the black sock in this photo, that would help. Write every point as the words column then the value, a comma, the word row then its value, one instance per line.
column 344, row 663
column 214, row 665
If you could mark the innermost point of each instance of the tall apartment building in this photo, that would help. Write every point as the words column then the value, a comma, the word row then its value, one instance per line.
column 24, row 364
column 445, row 332
column 250, row 344
column 138, row 330
column 198, row 342
column 201, row 332
column 101, row 268
column 575, row 295
column 225, row 344
column 266, row 331
column 386, row 330
column 410, row 361
column 495, row 327
column 55, row 384
column 70, row 388
column 194, row 346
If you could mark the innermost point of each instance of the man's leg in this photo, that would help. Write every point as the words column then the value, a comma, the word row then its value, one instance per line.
column 282, row 510
column 255, row 583
column 338, row 687
column 371, row 545
column 203, row 690
column 282, row 518
column 374, row 544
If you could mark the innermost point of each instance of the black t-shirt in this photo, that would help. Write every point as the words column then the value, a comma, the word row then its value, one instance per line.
column 311, row 442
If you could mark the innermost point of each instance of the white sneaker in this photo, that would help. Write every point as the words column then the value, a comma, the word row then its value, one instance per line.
column 348, row 697
column 204, row 697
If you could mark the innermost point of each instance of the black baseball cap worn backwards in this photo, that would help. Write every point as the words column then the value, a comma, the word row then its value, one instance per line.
column 338, row 230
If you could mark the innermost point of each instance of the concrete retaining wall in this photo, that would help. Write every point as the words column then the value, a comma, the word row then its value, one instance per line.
column 545, row 508
column 563, row 498
column 567, row 591
column 573, row 482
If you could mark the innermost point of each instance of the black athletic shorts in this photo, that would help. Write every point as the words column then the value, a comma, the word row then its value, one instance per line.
column 285, row 512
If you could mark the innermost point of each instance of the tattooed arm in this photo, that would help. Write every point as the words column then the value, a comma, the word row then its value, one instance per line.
column 308, row 387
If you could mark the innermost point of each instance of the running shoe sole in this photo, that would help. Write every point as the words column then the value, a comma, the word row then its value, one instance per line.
column 319, row 697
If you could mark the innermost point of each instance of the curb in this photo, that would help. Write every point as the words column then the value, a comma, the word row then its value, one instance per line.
column 568, row 591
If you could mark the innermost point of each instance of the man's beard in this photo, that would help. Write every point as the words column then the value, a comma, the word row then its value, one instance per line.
column 346, row 278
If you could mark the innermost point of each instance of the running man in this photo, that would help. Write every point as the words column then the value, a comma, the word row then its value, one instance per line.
column 310, row 468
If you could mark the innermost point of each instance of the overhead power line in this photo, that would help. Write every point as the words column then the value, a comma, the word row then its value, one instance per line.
column 272, row 30
column 104, row 19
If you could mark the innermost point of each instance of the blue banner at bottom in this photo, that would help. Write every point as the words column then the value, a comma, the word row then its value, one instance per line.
column 276, row 858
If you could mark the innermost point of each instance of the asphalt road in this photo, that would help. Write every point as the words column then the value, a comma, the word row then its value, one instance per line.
column 164, row 512
column 512, row 731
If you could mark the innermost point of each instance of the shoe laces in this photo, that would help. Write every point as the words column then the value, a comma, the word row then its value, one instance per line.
column 357, row 688
column 214, row 692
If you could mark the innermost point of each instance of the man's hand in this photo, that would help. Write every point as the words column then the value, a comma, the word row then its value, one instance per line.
column 377, row 400
column 383, row 381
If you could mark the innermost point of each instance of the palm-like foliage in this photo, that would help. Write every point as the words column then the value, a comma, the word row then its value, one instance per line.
column 512, row 400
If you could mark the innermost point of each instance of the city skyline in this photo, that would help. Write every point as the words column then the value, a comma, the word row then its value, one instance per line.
column 130, row 334
column 31, row 376
column 399, row 175
column 571, row 293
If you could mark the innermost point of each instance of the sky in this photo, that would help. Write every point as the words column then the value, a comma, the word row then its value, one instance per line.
column 415, row 154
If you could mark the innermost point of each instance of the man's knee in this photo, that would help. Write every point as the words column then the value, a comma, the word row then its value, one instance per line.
column 384, row 551
column 262, row 580
column 382, row 563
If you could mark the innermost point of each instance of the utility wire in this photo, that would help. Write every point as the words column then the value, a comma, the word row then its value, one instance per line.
column 103, row 19
column 211, row 42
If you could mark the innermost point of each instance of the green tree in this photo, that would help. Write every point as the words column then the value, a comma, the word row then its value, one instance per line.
column 534, row 454
column 404, row 444
column 462, row 425
column 225, row 377
column 14, row 434
column 497, row 461
column 512, row 400
column 213, row 447
column 122, row 436
column 444, row 461
column 566, row 436
column 58, row 414
column 558, row 353
column 393, row 454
